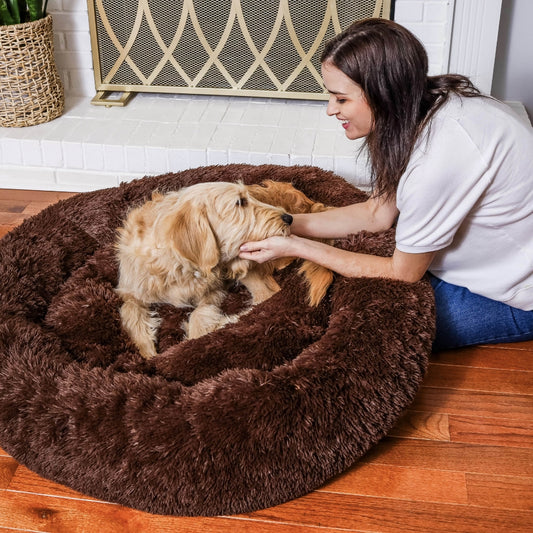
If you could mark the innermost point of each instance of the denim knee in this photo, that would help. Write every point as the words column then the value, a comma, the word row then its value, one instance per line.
column 465, row 318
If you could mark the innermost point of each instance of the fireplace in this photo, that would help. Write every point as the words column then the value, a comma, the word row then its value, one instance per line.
column 260, row 48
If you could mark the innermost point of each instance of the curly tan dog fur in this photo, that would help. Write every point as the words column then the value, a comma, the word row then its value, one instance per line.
column 182, row 249
column 284, row 195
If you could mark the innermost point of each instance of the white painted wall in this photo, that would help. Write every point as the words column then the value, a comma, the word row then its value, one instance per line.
column 513, row 72
column 474, row 39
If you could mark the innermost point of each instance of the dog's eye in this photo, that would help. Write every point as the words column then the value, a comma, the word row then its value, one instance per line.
column 242, row 202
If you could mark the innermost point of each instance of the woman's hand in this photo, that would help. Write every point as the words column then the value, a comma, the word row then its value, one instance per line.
column 268, row 249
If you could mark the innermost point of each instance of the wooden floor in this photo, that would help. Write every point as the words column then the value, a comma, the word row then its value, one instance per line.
column 461, row 459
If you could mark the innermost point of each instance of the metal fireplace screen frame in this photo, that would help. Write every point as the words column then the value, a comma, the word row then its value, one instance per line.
column 261, row 48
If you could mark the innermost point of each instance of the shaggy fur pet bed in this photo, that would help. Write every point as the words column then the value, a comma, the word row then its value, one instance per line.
column 250, row 416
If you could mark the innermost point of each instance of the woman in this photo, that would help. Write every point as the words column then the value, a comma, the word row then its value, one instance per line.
column 452, row 168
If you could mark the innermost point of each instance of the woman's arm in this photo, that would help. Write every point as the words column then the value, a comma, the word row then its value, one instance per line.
column 401, row 266
column 375, row 214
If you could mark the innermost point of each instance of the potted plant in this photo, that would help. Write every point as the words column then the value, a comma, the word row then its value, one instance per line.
column 31, row 91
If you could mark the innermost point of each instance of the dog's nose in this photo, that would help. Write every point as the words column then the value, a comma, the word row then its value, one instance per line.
column 287, row 218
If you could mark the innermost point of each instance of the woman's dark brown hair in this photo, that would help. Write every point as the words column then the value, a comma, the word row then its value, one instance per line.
column 391, row 66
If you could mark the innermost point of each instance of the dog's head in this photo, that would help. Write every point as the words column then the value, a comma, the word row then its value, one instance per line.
column 208, row 222
column 284, row 195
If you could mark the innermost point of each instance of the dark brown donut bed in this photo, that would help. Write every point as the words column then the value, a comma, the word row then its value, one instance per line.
column 250, row 416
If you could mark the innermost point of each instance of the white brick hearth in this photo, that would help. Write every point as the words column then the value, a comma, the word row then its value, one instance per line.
column 91, row 147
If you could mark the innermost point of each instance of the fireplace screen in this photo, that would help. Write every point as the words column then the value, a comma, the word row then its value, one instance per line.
column 267, row 48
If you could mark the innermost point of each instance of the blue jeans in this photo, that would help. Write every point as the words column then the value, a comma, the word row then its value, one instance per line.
column 465, row 318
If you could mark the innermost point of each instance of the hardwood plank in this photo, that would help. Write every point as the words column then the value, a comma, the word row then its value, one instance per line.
column 62, row 515
column 479, row 379
column 496, row 356
column 366, row 479
column 8, row 466
column 18, row 195
column 480, row 403
column 503, row 492
column 413, row 424
column 24, row 480
column 18, row 205
column 525, row 345
column 451, row 456
column 11, row 530
column 4, row 230
column 390, row 516
column 495, row 431
column 9, row 206
column 13, row 219
column 386, row 481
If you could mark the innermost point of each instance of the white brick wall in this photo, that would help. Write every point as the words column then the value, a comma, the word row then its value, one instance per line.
column 93, row 147
column 431, row 22
column 73, row 46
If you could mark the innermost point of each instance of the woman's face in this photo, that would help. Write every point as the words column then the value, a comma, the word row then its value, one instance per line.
column 347, row 102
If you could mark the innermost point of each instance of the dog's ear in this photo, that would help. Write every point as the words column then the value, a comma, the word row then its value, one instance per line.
column 192, row 237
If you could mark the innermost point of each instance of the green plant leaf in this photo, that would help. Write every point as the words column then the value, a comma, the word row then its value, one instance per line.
column 23, row 10
column 35, row 8
column 6, row 16
column 16, row 11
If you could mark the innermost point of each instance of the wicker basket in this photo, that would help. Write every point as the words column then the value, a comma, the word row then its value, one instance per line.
column 31, row 91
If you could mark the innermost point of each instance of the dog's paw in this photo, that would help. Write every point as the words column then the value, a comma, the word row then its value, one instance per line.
column 203, row 321
column 231, row 319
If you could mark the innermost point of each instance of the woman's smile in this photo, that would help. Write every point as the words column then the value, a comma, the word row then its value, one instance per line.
column 347, row 102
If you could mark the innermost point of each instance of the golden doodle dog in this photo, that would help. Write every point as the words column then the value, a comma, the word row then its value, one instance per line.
column 182, row 248
column 318, row 278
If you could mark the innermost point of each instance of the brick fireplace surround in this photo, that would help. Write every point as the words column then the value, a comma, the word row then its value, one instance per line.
column 91, row 147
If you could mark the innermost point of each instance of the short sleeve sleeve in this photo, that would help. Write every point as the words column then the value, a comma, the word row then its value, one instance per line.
column 444, row 180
